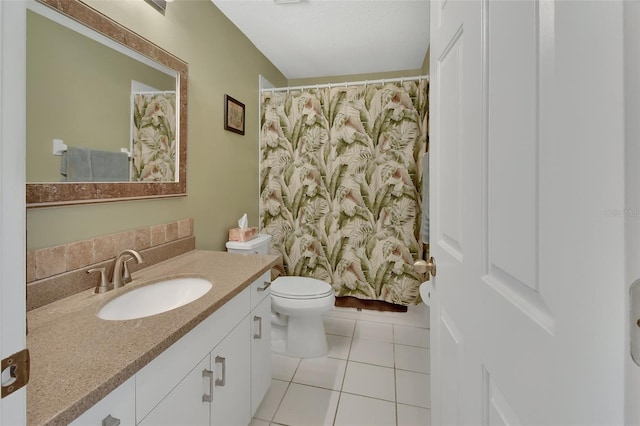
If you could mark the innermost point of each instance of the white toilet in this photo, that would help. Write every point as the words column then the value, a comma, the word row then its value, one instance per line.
column 297, row 305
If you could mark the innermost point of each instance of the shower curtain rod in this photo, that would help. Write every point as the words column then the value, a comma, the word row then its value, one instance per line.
column 347, row 84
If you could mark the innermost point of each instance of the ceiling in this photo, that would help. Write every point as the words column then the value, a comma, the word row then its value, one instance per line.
column 321, row 38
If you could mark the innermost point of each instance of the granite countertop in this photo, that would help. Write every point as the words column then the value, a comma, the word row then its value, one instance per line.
column 77, row 358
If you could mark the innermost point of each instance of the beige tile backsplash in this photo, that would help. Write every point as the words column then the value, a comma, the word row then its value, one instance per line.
column 50, row 261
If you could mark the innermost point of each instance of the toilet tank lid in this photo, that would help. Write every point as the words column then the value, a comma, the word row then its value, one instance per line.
column 251, row 244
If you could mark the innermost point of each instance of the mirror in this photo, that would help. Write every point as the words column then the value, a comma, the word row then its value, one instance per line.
column 130, row 64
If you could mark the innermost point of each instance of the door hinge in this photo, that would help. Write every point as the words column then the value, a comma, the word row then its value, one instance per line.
column 15, row 372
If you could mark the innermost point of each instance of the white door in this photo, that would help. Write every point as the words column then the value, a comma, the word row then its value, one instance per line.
column 12, row 199
column 527, row 155
column 632, row 208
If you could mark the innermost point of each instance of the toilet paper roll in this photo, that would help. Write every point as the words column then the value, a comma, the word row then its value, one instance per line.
column 426, row 288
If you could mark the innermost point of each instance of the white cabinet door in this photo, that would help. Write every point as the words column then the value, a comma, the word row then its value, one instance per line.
column 186, row 404
column 232, row 378
column 260, row 352
column 119, row 404
column 161, row 375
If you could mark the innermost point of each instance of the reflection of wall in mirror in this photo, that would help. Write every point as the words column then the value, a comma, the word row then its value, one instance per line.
column 78, row 90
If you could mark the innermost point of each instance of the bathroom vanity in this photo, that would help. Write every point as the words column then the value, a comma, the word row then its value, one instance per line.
column 207, row 362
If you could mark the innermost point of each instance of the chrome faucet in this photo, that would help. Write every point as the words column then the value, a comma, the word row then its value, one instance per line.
column 121, row 274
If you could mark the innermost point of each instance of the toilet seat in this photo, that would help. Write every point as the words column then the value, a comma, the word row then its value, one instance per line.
column 300, row 288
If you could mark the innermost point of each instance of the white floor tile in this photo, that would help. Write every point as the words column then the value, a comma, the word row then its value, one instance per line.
column 373, row 331
column 283, row 367
column 308, row 406
column 413, row 388
column 372, row 352
column 339, row 346
column 322, row 372
column 416, row 315
column 355, row 410
column 412, row 358
column 269, row 405
column 369, row 380
column 364, row 348
column 339, row 326
column 411, row 336
column 413, row 416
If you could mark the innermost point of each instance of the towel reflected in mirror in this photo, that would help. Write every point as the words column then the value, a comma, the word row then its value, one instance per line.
column 91, row 165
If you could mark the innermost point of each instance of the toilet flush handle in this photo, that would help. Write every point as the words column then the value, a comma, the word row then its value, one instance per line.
column 267, row 284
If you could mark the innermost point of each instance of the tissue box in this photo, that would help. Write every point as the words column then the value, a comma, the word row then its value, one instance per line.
column 237, row 234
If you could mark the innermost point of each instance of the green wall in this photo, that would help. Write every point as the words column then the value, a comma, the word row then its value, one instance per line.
column 222, row 178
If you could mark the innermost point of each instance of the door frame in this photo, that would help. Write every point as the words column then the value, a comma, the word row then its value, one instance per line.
column 12, row 196
column 632, row 195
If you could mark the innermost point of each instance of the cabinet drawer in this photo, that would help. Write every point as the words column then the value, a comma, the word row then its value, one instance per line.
column 258, row 290
column 162, row 374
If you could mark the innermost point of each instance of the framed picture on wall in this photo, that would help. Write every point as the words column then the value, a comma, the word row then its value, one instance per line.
column 233, row 115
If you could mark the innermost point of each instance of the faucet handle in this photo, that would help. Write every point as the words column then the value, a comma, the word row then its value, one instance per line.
column 104, row 283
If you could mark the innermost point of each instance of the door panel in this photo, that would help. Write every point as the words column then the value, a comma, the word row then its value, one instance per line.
column 526, row 154
column 450, row 355
column 497, row 410
column 632, row 187
column 450, row 227
column 511, row 149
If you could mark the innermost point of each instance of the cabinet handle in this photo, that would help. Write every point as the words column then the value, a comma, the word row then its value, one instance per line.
column 258, row 335
column 110, row 421
column 267, row 284
column 209, row 375
column 223, row 361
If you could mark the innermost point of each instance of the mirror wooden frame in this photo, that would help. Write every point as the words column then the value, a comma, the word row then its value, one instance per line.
column 52, row 194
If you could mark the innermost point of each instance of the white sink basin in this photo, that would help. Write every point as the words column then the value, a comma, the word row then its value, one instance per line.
column 155, row 298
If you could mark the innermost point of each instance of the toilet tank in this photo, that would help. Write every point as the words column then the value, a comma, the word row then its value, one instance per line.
column 258, row 245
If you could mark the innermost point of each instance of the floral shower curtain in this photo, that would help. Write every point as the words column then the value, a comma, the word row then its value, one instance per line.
column 341, row 185
column 154, row 137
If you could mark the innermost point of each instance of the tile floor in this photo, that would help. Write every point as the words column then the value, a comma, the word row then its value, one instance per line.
column 376, row 373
